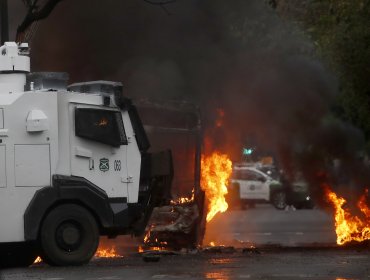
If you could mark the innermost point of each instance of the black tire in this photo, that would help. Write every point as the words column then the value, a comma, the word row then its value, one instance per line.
column 299, row 206
column 69, row 236
column 278, row 199
column 310, row 205
column 18, row 255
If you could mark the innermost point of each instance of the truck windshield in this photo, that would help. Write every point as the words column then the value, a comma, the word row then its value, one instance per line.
column 102, row 126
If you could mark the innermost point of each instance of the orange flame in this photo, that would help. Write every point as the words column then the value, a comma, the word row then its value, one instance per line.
column 216, row 171
column 149, row 240
column 349, row 227
column 102, row 122
column 106, row 253
column 141, row 249
column 183, row 200
column 38, row 260
column 147, row 235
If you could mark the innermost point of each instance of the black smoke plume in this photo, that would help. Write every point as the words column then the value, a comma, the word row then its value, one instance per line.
column 238, row 56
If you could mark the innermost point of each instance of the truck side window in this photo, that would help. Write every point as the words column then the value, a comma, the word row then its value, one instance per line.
column 102, row 126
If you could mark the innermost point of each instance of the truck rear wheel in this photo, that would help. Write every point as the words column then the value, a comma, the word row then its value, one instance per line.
column 69, row 236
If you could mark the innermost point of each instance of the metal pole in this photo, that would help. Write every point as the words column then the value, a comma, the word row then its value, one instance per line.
column 198, row 153
column 4, row 22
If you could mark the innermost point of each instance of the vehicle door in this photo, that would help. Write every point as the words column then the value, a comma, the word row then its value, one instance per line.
column 252, row 185
column 99, row 148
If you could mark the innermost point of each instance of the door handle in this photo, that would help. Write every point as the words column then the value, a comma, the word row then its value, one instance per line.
column 91, row 164
column 128, row 179
column 4, row 132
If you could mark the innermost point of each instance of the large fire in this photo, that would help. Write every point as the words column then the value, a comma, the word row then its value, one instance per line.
column 216, row 171
column 349, row 227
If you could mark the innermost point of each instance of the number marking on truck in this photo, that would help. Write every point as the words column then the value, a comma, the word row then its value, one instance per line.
column 117, row 165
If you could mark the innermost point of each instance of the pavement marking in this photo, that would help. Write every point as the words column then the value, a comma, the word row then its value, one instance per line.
column 104, row 278
column 162, row 276
column 299, row 233
column 295, row 276
column 54, row 278
column 247, row 276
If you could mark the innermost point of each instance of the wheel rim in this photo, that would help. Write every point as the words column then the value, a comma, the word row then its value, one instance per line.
column 279, row 200
column 69, row 236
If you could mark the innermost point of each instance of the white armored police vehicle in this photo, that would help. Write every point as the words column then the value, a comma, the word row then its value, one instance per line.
column 73, row 165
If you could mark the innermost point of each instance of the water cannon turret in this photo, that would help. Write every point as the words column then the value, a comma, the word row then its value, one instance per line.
column 14, row 66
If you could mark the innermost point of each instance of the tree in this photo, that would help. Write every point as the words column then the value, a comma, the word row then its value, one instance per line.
column 341, row 33
column 37, row 11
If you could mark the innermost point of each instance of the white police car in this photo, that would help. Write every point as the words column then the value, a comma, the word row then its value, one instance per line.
column 249, row 185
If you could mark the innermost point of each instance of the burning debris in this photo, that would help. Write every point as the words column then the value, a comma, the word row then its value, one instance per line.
column 176, row 125
column 350, row 227
column 167, row 222
column 183, row 213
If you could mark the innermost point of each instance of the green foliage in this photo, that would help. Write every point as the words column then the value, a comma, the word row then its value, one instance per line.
column 341, row 31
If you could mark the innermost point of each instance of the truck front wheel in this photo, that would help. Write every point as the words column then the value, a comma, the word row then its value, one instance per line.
column 69, row 236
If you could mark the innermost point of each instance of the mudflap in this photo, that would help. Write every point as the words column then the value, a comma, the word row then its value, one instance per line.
column 155, row 190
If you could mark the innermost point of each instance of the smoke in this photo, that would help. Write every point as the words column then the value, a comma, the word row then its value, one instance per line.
column 241, row 58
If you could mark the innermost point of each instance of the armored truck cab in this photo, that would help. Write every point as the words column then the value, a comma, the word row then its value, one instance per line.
column 73, row 165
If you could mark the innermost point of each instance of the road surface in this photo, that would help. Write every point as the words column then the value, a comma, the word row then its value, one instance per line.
column 333, row 264
column 260, row 226
column 266, row 225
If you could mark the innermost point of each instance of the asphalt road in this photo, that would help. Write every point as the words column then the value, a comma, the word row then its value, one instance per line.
column 266, row 225
column 311, row 253
column 333, row 264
